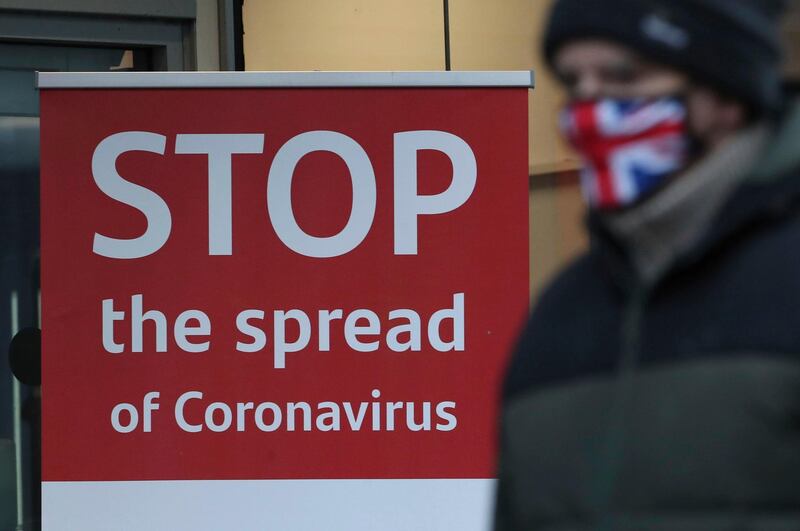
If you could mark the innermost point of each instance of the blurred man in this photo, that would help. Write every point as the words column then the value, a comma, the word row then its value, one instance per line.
column 657, row 385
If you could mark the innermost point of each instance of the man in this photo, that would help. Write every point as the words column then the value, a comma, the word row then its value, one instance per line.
column 657, row 385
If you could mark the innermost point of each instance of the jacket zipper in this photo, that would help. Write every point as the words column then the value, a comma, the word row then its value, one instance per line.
column 612, row 450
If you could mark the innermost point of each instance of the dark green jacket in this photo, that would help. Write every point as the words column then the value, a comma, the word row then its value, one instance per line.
column 672, row 405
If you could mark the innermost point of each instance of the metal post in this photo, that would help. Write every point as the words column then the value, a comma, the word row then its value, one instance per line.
column 447, row 35
column 17, row 405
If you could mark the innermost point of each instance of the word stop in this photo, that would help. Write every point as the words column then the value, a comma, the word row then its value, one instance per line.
column 220, row 148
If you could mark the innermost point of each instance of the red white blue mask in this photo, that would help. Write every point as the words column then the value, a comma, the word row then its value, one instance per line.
column 629, row 148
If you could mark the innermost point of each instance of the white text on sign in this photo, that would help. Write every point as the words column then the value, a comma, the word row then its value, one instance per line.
column 362, row 329
column 220, row 148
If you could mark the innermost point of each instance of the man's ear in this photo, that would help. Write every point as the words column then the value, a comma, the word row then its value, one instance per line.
column 714, row 117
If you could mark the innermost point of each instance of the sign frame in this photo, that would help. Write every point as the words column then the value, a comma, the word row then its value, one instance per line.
column 64, row 501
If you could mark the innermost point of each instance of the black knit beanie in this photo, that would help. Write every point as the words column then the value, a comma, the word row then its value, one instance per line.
column 730, row 45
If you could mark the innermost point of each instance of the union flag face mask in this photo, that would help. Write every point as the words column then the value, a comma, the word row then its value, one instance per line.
column 629, row 148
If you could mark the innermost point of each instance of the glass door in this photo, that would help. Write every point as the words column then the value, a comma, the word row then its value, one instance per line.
column 20, row 456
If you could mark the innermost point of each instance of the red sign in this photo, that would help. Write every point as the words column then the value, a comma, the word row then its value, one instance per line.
column 276, row 283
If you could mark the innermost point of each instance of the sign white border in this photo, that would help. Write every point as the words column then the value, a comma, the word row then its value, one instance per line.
column 299, row 505
column 69, row 80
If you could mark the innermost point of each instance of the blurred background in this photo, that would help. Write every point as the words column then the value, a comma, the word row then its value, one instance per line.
column 142, row 35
